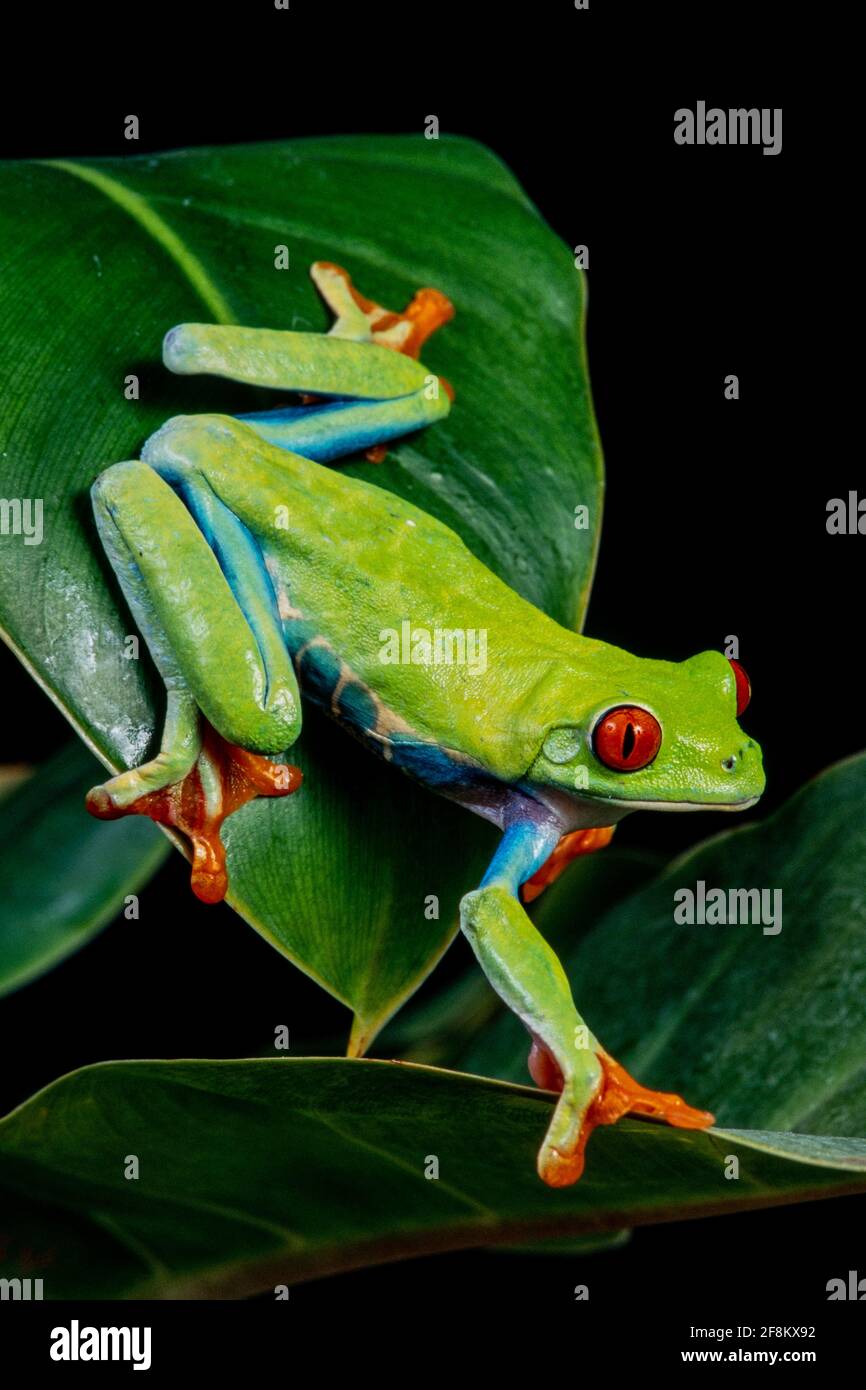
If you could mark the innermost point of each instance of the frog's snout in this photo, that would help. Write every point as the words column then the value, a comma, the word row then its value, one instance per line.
column 733, row 759
column 747, row 764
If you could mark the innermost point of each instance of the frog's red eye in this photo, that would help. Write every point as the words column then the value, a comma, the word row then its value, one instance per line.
column 627, row 738
column 744, row 686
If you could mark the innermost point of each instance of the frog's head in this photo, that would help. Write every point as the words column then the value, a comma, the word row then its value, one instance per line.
column 652, row 734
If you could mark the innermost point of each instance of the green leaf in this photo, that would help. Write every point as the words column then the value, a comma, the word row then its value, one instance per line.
column 63, row 875
column 767, row 1031
column 257, row 1173
column 116, row 252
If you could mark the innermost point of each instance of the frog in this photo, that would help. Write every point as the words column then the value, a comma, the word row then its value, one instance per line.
column 263, row 577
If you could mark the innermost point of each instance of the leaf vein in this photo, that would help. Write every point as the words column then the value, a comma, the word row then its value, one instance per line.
column 149, row 219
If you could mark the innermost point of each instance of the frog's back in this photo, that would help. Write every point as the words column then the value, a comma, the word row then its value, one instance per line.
column 363, row 579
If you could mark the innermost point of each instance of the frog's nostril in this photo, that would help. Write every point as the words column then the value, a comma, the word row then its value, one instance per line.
column 729, row 763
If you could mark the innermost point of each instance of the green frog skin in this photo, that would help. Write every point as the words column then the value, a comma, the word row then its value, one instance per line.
column 259, row 576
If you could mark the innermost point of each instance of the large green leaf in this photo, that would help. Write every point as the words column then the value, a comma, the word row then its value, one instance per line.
column 257, row 1173
column 260, row 1172
column 97, row 260
column 765, row 1030
column 63, row 876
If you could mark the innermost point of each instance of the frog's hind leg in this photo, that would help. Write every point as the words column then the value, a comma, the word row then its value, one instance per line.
column 210, row 628
column 370, row 353
column 283, row 360
column 365, row 367
column 331, row 430
column 565, row 1056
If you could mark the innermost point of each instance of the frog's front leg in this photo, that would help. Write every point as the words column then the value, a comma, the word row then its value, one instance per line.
column 565, row 1056
column 213, row 632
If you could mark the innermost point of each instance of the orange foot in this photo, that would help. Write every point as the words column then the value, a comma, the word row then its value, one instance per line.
column 223, row 779
column 406, row 332
column 619, row 1094
column 570, row 846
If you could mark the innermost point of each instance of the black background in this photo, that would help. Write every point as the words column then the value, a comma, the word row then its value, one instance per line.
column 703, row 262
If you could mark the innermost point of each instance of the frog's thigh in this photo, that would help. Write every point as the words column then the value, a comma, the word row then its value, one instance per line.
column 288, row 361
column 212, row 630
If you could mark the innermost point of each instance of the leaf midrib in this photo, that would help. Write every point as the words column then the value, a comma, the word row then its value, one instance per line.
column 150, row 221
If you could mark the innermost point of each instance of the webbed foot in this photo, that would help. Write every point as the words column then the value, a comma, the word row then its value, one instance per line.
column 223, row 778
column 597, row 1097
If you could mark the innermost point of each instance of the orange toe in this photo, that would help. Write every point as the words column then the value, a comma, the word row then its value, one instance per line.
column 624, row 1096
column 561, row 1170
column 621, row 1095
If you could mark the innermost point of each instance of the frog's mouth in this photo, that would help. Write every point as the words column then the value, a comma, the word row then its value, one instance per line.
column 580, row 812
column 741, row 805
column 572, row 812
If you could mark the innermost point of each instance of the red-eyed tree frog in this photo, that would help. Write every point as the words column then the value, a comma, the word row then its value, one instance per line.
column 258, row 575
